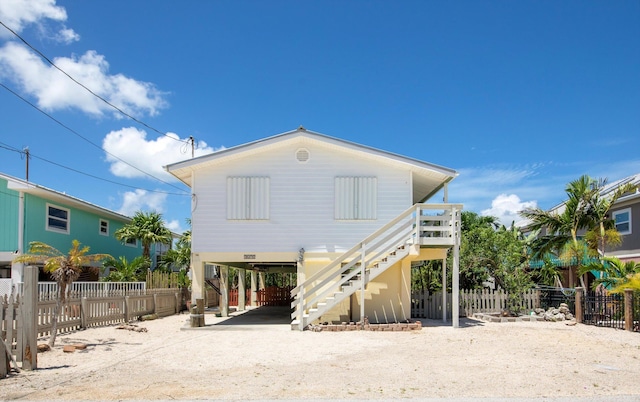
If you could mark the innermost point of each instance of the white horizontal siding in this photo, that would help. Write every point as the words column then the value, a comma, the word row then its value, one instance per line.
column 302, row 206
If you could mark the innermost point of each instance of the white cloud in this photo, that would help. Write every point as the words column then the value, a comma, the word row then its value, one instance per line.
column 142, row 200
column 55, row 91
column 131, row 145
column 174, row 226
column 67, row 35
column 507, row 207
column 17, row 14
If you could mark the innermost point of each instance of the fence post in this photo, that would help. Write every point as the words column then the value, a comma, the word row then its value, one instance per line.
column 29, row 310
column 178, row 302
column 579, row 312
column 628, row 309
column 155, row 303
column 84, row 313
column 127, row 309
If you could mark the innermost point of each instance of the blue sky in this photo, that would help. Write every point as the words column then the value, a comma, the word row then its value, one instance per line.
column 519, row 97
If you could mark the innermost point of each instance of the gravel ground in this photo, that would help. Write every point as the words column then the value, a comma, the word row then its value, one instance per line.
column 262, row 360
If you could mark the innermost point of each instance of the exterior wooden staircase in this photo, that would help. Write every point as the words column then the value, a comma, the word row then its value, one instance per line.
column 422, row 225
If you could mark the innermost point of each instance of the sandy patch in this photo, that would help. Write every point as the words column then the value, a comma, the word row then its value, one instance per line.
column 272, row 362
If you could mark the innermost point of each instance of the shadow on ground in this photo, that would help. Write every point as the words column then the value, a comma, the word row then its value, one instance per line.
column 263, row 315
column 464, row 323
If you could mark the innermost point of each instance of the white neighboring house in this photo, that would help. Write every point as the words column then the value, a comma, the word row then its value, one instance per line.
column 327, row 209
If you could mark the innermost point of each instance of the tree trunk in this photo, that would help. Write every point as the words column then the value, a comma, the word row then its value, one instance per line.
column 54, row 322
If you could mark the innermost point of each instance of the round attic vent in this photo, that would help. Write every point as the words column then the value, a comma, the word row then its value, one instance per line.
column 302, row 155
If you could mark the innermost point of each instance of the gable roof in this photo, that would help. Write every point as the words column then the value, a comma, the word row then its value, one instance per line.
column 428, row 178
column 13, row 183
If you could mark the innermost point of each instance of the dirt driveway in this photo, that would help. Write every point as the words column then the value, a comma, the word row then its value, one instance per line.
column 261, row 360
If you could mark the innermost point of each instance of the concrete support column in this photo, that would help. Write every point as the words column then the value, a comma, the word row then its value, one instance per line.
column 254, row 289
column 444, row 290
column 241, row 289
column 224, row 291
column 197, row 278
column 405, row 295
column 300, row 274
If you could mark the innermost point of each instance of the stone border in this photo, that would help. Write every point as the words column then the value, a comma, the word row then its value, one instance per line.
column 356, row 326
column 492, row 318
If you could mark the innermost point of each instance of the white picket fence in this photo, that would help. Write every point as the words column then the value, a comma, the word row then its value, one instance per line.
column 49, row 290
column 6, row 287
column 429, row 305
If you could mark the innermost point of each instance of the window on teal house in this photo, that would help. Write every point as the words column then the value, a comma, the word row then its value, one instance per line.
column 57, row 219
column 131, row 242
column 104, row 227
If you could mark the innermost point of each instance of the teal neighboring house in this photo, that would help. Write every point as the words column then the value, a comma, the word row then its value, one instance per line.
column 29, row 212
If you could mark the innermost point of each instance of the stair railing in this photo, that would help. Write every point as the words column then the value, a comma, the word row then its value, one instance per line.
column 411, row 226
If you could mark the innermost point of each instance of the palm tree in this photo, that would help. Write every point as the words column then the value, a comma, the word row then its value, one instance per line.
column 64, row 269
column 585, row 209
column 614, row 272
column 125, row 271
column 179, row 257
column 146, row 227
column 630, row 282
column 562, row 228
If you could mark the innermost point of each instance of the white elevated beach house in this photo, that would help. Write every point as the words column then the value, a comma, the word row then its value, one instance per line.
column 348, row 219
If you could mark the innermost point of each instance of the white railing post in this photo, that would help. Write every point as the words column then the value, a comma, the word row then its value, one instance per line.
column 362, row 278
column 455, row 282
column 301, row 309
column 418, row 223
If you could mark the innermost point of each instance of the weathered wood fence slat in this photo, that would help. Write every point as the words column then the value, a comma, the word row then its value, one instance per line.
column 79, row 313
column 430, row 305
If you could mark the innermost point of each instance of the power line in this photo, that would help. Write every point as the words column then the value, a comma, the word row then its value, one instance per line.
column 86, row 139
column 10, row 148
column 87, row 89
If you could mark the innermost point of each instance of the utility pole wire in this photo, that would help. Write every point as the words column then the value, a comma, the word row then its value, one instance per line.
column 86, row 88
column 86, row 139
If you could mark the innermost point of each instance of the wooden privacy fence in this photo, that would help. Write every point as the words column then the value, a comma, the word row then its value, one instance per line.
column 429, row 305
column 269, row 296
column 87, row 312
column 79, row 313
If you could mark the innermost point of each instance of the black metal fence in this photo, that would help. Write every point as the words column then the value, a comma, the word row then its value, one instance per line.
column 553, row 297
column 604, row 311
